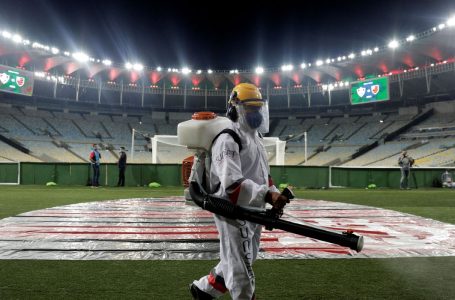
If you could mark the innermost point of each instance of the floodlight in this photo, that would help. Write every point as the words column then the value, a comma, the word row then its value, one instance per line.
column 17, row 38
column 259, row 70
column 451, row 21
column 138, row 67
column 81, row 56
column 393, row 44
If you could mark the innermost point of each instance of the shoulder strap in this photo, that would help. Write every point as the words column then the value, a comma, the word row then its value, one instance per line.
column 233, row 134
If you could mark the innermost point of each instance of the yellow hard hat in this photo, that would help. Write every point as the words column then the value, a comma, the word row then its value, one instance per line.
column 246, row 93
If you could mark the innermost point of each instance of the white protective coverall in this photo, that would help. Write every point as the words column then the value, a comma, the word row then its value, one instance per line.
column 244, row 180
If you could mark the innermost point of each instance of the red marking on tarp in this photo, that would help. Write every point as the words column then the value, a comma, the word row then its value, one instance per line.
column 308, row 249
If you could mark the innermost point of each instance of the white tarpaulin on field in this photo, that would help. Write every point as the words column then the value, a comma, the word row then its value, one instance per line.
column 167, row 228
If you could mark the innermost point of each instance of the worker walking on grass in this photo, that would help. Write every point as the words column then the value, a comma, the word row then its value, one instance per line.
column 239, row 173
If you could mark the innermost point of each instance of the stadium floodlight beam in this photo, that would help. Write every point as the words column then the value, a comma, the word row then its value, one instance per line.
column 81, row 56
column 107, row 62
column 327, row 60
column 376, row 49
column 441, row 26
column 138, row 67
column 186, row 70
column 159, row 69
column 198, row 71
column 393, row 44
column 209, row 71
column 351, row 56
column 363, row 53
column 259, row 70
column 410, row 38
column 303, row 66
column 128, row 66
column 55, row 50
column 319, row 63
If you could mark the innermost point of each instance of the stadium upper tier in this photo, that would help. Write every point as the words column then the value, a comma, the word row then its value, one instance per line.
column 41, row 134
column 420, row 64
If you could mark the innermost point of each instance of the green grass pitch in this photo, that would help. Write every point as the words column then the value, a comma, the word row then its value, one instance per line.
column 393, row 278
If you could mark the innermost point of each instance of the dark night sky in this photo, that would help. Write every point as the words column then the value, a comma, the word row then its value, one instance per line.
column 224, row 35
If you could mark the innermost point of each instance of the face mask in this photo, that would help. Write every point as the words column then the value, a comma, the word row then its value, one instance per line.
column 254, row 119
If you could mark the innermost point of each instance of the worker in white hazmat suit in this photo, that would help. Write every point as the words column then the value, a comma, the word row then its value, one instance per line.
column 242, row 177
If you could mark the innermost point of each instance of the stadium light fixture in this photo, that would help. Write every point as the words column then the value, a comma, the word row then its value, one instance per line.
column 66, row 53
column 209, row 71
column 451, row 21
column 363, row 53
column 410, row 38
column 303, row 66
column 17, row 38
column 55, row 50
column 199, row 72
column 369, row 52
column 259, row 70
column 159, row 69
column 107, row 62
column 441, row 26
column 138, row 67
column 376, row 49
column 351, row 56
column 128, row 66
column 26, row 42
column 186, row 70
column 327, row 61
column 393, row 44
column 319, row 63
column 286, row 68
column 81, row 56
column 6, row 34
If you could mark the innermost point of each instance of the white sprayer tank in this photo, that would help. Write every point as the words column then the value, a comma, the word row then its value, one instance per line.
column 199, row 132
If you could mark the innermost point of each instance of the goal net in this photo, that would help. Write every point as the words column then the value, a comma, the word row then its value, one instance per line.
column 167, row 150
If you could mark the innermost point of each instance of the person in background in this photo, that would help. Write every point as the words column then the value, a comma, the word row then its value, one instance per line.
column 95, row 158
column 447, row 180
column 121, row 167
column 405, row 162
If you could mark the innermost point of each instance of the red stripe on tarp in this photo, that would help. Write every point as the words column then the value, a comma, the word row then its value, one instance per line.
column 309, row 249
column 152, row 227
column 119, row 232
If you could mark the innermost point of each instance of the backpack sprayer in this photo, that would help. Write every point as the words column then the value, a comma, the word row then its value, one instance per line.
column 198, row 134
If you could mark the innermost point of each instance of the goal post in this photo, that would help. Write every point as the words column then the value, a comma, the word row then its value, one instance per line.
column 166, row 149
column 10, row 173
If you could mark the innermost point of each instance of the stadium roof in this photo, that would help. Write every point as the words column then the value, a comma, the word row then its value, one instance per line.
column 431, row 47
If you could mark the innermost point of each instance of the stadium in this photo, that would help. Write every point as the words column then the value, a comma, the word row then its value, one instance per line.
column 337, row 128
